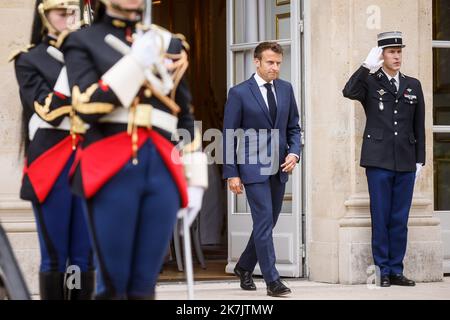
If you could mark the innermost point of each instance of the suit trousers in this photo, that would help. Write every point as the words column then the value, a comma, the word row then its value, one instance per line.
column 265, row 200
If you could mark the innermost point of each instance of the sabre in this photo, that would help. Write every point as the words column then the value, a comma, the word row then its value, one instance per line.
column 88, row 9
column 183, row 214
column 147, row 21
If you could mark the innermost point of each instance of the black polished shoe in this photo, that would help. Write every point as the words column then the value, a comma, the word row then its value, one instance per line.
column 401, row 280
column 86, row 292
column 277, row 289
column 385, row 282
column 51, row 285
column 246, row 278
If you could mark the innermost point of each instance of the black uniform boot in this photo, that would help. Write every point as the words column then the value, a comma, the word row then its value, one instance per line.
column 51, row 285
column 86, row 292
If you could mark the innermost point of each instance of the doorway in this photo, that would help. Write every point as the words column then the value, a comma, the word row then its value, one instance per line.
column 222, row 35
column 250, row 22
column 203, row 23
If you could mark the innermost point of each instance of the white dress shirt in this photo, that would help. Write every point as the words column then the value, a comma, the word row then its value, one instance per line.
column 261, row 82
column 397, row 78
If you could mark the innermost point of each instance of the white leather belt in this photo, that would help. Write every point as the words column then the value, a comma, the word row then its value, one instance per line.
column 151, row 117
column 37, row 123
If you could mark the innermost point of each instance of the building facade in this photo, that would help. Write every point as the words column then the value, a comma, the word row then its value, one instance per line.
column 325, row 230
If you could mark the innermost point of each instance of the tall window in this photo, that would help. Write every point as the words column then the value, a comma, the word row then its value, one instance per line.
column 441, row 108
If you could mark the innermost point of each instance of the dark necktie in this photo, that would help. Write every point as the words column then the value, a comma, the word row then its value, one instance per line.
column 271, row 102
column 393, row 81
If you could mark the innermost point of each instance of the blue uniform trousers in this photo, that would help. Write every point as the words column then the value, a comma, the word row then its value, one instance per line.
column 131, row 220
column 62, row 228
column 391, row 195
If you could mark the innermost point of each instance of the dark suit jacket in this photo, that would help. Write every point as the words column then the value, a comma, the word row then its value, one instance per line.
column 394, row 137
column 247, row 110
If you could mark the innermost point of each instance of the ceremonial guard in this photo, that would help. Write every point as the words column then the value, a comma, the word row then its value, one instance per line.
column 393, row 150
column 127, row 81
column 51, row 133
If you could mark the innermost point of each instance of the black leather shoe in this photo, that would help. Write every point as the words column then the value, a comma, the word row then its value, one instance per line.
column 401, row 280
column 86, row 292
column 385, row 282
column 246, row 278
column 51, row 285
column 277, row 289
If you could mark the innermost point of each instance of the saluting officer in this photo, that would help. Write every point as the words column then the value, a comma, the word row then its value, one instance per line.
column 50, row 134
column 128, row 170
column 393, row 150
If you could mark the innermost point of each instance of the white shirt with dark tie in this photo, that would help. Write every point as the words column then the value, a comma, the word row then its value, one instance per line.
column 396, row 78
column 261, row 82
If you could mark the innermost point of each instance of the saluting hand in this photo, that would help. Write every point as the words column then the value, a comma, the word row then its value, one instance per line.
column 374, row 60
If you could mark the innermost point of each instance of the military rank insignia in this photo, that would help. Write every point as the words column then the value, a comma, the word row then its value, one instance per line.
column 381, row 93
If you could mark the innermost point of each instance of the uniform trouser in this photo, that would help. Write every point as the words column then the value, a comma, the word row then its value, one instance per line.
column 265, row 200
column 131, row 221
column 62, row 228
column 390, row 201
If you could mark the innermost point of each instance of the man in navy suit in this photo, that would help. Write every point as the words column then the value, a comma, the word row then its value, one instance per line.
column 261, row 148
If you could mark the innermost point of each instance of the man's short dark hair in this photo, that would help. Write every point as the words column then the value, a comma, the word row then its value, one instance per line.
column 263, row 46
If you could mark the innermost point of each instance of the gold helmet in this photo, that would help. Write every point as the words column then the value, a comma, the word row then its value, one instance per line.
column 48, row 5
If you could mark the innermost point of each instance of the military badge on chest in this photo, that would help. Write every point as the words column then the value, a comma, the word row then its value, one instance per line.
column 409, row 96
column 381, row 93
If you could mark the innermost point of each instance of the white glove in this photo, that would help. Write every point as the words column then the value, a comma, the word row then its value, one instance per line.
column 146, row 49
column 195, row 204
column 374, row 61
column 419, row 167
column 195, row 198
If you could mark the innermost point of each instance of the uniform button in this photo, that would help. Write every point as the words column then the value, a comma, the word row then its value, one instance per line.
column 396, row 133
column 368, row 136
column 395, row 111
column 411, row 102
column 395, row 123
column 396, row 101
column 381, row 99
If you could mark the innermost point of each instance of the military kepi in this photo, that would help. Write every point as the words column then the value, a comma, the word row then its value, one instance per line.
column 390, row 39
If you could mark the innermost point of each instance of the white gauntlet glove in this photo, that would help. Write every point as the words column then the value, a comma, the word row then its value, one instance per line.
column 195, row 198
column 147, row 48
column 374, row 61
column 126, row 77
